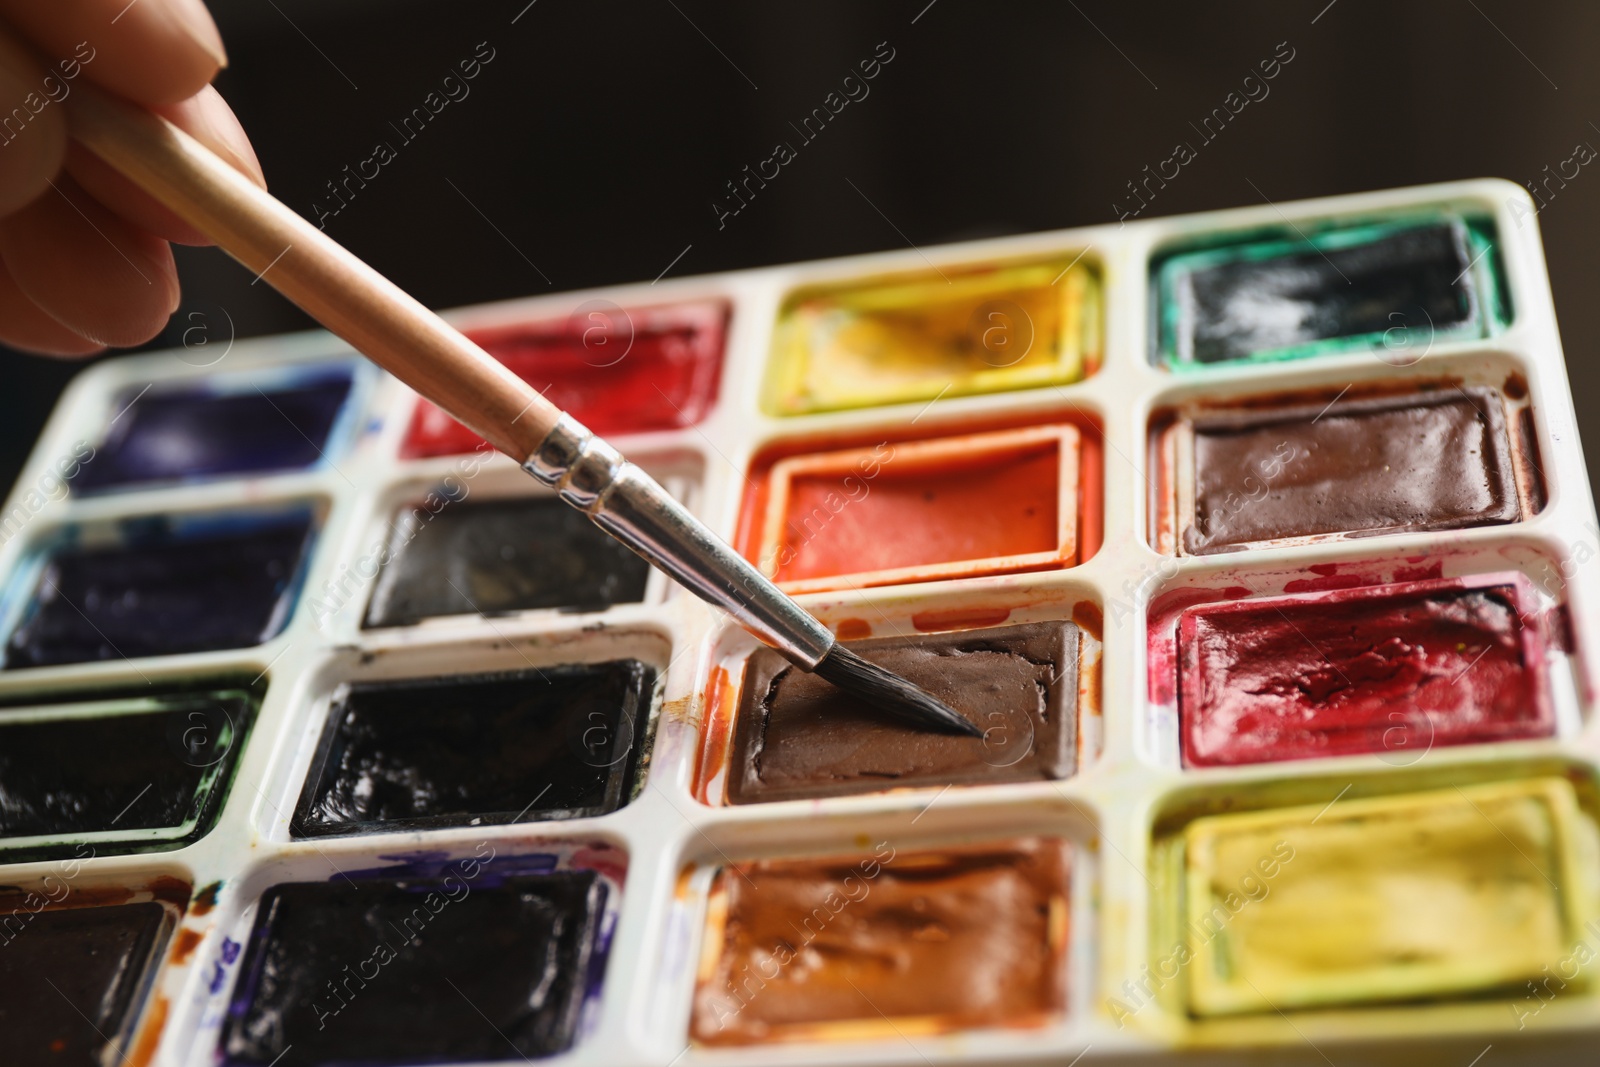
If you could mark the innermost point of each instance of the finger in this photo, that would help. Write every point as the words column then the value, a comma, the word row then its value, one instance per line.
column 33, row 133
column 88, row 269
column 205, row 115
column 24, row 325
column 151, row 51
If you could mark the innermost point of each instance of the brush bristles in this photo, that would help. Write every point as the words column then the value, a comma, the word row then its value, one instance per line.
column 890, row 693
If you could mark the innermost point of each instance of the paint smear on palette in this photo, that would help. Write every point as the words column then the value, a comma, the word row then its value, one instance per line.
column 161, row 765
column 1456, row 892
column 614, row 370
column 950, row 332
column 436, row 864
column 499, row 556
column 168, row 586
column 460, row 972
column 553, row 743
column 1421, row 462
column 218, row 428
column 959, row 506
column 1396, row 669
column 797, row 736
column 72, row 979
column 892, row 943
column 1396, row 287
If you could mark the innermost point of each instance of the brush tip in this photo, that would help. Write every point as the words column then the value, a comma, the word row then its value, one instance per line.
column 891, row 693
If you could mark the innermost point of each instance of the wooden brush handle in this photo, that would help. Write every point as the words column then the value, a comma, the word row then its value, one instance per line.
column 311, row 269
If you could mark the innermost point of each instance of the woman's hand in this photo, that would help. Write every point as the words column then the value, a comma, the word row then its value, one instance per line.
column 84, row 259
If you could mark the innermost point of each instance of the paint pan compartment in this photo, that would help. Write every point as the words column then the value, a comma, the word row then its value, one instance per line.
column 616, row 370
column 773, row 735
column 952, row 331
column 1391, row 285
column 929, row 509
column 1395, row 659
column 467, row 749
column 490, row 557
column 264, row 422
column 797, row 737
column 958, row 915
column 987, row 503
column 490, row 545
column 79, row 958
column 1358, row 462
column 151, row 585
column 1385, row 860
column 424, row 738
column 523, row 933
column 887, row 870
column 135, row 773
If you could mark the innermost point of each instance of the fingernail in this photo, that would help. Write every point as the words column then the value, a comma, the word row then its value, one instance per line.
column 200, row 28
column 223, row 134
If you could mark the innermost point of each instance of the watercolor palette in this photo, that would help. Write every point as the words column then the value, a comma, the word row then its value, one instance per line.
column 1258, row 542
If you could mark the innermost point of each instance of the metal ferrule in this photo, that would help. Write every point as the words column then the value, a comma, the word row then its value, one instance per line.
column 632, row 507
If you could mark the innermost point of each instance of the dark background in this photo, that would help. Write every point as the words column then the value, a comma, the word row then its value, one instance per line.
column 592, row 146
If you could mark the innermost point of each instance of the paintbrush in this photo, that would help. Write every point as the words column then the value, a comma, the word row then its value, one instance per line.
column 416, row 346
